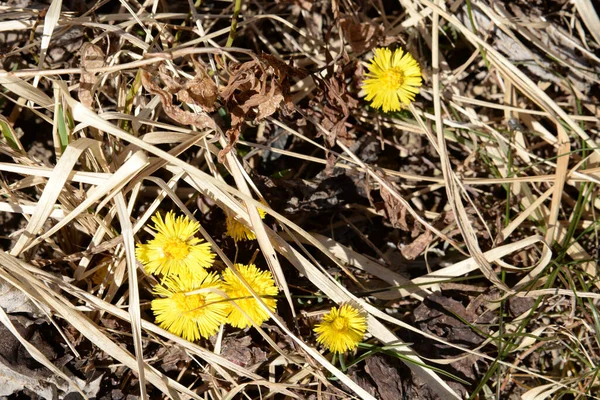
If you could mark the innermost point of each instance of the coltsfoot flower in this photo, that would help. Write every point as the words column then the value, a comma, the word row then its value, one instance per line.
column 175, row 250
column 392, row 80
column 261, row 282
column 190, row 308
column 238, row 231
column 341, row 329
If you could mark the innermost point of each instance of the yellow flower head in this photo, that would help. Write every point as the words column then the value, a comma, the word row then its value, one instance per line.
column 393, row 79
column 174, row 250
column 261, row 282
column 238, row 231
column 188, row 311
column 341, row 330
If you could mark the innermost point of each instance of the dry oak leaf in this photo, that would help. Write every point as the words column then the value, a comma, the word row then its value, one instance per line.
column 267, row 104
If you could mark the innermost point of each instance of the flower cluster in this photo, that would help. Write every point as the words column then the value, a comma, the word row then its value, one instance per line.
column 192, row 302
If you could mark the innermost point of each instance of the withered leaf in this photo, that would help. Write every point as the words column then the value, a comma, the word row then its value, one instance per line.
column 255, row 90
column 201, row 90
column 335, row 102
column 243, row 78
column 199, row 120
column 267, row 103
column 416, row 248
column 92, row 56
column 361, row 36
column 269, row 106
column 395, row 210
column 233, row 133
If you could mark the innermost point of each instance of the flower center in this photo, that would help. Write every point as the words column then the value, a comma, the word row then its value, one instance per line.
column 191, row 305
column 393, row 78
column 176, row 249
column 340, row 324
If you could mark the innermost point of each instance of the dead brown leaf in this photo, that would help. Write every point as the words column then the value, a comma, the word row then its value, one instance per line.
column 334, row 100
column 361, row 36
column 92, row 56
column 199, row 120
column 201, row 90
column 418, row 246
column 395, row 211
column 267, row 104
column 255, row 90
column 242, row 351
column 449, row 319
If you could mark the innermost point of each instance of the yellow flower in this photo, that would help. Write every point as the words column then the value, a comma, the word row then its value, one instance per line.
column 393, row 79
column 174, row 250
column 261, row 282
column 238, row 231
column 188, row 311
column 141, row 253
column 341, row 330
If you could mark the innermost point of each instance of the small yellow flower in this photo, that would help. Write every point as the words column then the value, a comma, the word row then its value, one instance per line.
column 174, row 250
column 341, row 330
column 188, row 311
column 238, row 231
column 261, row 282
column 393, row 79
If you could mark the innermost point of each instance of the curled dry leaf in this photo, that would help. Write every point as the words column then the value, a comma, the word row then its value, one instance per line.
column 92, row 56
column 201, row 90
column 334, row 100
column 418, row 246
column 267, row 104
column 256, row 90
column 199, row 120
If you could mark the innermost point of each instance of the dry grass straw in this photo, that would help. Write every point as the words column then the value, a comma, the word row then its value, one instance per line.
column 114, row 189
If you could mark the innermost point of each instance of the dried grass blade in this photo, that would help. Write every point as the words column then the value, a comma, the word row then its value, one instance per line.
column 257, row 225
column 50, row 21
column 51, row 192
column 588, row 14
column 406, row 287
column 469, row 265
column 25, row 90
column 120, row 178
column 134, row 294
column 553, row 231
